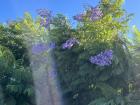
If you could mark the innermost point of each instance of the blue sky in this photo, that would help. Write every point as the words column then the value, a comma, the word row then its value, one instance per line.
column 12, row 9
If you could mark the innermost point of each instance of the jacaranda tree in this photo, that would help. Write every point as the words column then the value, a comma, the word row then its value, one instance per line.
column 93, row 61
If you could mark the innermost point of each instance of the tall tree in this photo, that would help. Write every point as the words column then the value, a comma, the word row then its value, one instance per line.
column 16, row 76
column 86, row 73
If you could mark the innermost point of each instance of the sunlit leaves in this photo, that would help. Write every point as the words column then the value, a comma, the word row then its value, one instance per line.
column 136, row 35
column 32, row 30
column 15, row 78
column 6, row 57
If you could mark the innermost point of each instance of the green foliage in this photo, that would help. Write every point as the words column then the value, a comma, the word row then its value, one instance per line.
column 83, row 83
column 134, row 98
column 103, row 101
column 31, row 30
column 136, row 35
column 15, row 75
column 6, row 58
column 14, row 42
column 135, row 48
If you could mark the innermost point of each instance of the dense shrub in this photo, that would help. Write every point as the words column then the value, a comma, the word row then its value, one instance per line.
column 93, row 60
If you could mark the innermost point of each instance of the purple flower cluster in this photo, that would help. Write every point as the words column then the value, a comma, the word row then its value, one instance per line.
column 102, row 59
column 42, row 47
column 96, row 13
column 69, row 43
column 79, row 17
column 45, row 17
column 44, row 13
column 45, row 22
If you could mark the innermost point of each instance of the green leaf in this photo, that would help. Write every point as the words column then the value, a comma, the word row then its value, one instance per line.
column 106, row 90
column 102, row 101
column 105, row 75
column 29, row 91
column 10, row 101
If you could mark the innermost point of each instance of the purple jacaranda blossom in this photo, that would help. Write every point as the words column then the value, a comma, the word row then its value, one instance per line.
column 103, row 58
column 96, row 13
column 70, row 43
column 46, row 17
column 45, row 22
column 79, row 17
column 44, row 13
column 42, row 47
